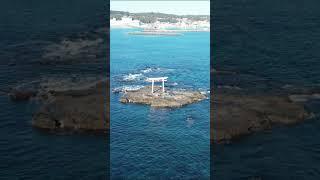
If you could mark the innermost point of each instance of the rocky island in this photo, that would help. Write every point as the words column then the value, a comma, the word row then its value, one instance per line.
column 235, row 115
column 81, row 108
column 169, row 98
column 85, row 106
column 74, row 110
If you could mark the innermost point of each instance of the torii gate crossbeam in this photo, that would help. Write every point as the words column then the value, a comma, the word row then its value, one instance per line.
column 158, row 79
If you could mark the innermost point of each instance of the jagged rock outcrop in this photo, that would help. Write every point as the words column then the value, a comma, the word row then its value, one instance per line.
column 74, row 110
column 158, row 99
column 238, row 115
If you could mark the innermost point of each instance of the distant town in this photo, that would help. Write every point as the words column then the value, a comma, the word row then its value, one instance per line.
column 159, row 21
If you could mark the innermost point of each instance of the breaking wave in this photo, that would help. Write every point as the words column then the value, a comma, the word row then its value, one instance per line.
column 143, row 73
column 147, row 70
column 133, row 77
column 154, row 69
column 127, row 88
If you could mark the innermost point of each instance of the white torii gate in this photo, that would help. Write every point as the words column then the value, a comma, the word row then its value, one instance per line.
column 159, row 79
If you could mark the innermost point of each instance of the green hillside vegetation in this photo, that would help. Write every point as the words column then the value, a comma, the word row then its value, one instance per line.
column 153, row 17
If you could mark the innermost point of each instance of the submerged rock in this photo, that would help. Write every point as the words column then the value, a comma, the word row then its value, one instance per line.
column 21, row 95
column 23, row 92
column 74, row 51
column 169, row 98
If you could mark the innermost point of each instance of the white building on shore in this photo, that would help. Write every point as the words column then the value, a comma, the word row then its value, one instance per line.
column 125, row 22
column 182, row 24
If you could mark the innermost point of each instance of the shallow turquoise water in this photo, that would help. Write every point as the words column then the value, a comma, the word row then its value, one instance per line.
column 168, row 143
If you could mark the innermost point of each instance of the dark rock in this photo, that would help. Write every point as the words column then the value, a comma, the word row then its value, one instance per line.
column 76, row 110
column 239, row 115
column 21, row 95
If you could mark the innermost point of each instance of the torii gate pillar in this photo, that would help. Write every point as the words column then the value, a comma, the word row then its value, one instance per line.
column 159, row 79
column 152, row 86
column 163, row 85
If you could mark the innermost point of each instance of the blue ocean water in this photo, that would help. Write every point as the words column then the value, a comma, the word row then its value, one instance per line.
column 269, row 43
column 25, row 152
column 164, row 143
column 273, row 46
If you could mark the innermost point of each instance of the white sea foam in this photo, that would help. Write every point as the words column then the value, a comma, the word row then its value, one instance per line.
column 147, row 70
column 304, row 97
column 127, row 88
column 151, row 69
column 132, row 77
column 204, row 92
column 155, row 69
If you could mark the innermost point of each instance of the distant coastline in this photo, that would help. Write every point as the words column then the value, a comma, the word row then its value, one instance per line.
column 160, row 22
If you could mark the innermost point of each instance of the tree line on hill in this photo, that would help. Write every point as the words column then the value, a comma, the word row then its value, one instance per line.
column 153, row 17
